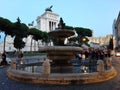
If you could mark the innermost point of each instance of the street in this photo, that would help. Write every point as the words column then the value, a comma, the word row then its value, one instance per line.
column 8, row 84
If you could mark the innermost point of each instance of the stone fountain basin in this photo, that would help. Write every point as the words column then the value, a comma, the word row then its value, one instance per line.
column 61, row 55
column 61, row 79
column 61, row 52
column 61, row 33
column 61, row 48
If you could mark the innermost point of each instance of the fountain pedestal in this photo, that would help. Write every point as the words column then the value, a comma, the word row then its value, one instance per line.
column 61, row 55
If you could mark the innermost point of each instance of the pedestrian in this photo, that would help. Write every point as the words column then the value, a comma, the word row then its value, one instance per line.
column 109, row 53
column 19, row 57
column 79, row 56
column 3, row 62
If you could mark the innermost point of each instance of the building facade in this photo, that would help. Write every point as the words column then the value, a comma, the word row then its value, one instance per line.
column 117, row 31
column 48, row 21
column 100, row 41
column 115, row 35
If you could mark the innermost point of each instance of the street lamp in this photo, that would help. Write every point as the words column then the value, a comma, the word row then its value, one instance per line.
column 84, row 39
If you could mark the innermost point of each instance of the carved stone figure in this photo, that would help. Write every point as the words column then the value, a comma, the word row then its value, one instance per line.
column 49, row 8
column 46, row 67
column 100, row 67
column 108, row 62
column 13, row 64
column 61, row 24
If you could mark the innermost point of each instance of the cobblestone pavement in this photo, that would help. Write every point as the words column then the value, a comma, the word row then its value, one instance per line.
column 8, row 84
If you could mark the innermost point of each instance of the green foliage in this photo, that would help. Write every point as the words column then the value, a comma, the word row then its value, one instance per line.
column 83, row 31
column 69, row 27
column 20, row 29
column 4, row 23
column 18, row 43
column 46, row 38
column 17, row 29
column 6, row 26
column 37, row 34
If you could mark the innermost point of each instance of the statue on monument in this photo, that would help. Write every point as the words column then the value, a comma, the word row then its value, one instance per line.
column 61, row 24
column 49, row 8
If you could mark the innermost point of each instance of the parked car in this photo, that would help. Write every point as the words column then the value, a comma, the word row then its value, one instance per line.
column 7, row 59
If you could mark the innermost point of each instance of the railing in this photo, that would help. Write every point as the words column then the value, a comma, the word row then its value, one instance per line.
column 35, row 65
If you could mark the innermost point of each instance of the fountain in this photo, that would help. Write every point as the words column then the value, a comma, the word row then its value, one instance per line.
column 61, row 56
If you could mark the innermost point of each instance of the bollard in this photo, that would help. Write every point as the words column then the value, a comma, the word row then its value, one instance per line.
column 22, row 61
column 83, row 57
column 13, row 64
column 46, row 67
column 100, row 67
column 108, row 62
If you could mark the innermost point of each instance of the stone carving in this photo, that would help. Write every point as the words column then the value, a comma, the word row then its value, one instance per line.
column 46, row 67
column 100, row 67
column 108, row 62
column 49, row 8
column 61, row 24
column 13, row 64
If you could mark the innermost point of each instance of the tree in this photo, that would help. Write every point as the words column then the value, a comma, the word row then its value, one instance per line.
column 83, row 33
column 6, row 26
column 20, row 31
column 36, row 35
column 45, row 38
column 69, row 27
column 19, row 43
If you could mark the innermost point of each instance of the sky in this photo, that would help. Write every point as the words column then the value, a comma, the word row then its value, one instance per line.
column 97, row 15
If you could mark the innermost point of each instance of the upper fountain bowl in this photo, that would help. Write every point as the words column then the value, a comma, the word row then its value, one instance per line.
column 60, row 34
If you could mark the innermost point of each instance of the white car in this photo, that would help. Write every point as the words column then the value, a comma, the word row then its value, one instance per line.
column 7, row 59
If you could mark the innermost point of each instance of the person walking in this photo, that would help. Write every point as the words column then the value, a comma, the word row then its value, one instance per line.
column 19, row 57
column 3, row 62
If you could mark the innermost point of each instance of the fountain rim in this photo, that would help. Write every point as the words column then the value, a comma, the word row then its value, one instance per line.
column 64, row 79
column 60, row 32
column 60, row 48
